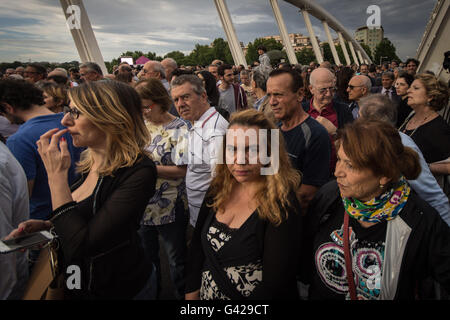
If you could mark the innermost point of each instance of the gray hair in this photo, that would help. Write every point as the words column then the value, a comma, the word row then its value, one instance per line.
column 378, row 107
column 171, row 62
column 158, row 67
column 260, row 75
column 195, row 82
column 92, row 66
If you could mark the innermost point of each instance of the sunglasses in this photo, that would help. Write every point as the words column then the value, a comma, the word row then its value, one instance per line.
column 74, row 113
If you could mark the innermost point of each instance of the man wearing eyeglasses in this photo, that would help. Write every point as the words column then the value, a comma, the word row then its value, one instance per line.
column 35, row 72
column 359, row 86
column 90, row 71
column 328, row 112
column 26, row 109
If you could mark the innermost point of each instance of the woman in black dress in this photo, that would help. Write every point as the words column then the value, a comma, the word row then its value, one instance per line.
column 248, row 230
column 425, row 126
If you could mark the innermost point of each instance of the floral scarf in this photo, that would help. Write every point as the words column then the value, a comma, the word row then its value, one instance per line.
column 382, row 208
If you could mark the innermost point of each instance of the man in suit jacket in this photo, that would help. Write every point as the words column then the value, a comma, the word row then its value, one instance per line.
column 387, row 88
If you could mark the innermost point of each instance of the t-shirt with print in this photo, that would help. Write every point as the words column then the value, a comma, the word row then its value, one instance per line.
column 329, row 279
column 309, row 149
column 167, row 147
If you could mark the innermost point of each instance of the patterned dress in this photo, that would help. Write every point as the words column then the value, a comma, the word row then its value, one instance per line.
column 167, row 147
column 244, row 278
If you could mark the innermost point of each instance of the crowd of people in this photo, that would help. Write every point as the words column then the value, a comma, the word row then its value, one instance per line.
column 267, row 182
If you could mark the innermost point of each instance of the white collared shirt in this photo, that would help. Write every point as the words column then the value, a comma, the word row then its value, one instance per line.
column 205, row 139
column 14, row 208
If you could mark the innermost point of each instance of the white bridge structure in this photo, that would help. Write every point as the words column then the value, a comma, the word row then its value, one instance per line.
column 89, row 50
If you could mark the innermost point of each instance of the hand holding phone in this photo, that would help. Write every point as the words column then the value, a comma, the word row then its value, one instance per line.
column 25, row 241
column 29, row 226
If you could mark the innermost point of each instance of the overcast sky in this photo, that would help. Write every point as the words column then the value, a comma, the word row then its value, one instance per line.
column 36, row 30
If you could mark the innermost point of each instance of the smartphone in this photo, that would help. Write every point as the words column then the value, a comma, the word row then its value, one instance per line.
column 26, row 241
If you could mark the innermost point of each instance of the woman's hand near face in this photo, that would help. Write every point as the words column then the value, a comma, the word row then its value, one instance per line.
column 56, row 158
column 52, row 148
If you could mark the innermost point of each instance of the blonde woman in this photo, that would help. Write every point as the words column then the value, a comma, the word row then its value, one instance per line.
column 55, row 97
column 247, row 235
column 96, row 219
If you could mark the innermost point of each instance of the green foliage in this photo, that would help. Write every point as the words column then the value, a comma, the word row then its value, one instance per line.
column 367, row 50
column 306, row 56
column 252, row 51
column 385, row 51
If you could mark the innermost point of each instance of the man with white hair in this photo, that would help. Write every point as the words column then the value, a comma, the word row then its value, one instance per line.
column 330, row 113
column 359, row 86
column 170, row 65
column 154, row 69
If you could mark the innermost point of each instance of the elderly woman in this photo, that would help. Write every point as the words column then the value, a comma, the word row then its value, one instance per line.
column 380, row 107
column 249, row 224
column 425, row 126
column 166, row 215
column 97, row 219
column 371, row 236
column 402, row 84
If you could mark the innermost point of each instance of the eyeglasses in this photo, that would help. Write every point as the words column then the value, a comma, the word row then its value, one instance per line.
column 74, row 113
column 323, row 90
column 353, row 87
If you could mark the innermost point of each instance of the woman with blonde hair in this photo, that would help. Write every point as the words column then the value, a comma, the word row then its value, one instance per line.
column 55, row 97
column 248, row 231
column 97, row 219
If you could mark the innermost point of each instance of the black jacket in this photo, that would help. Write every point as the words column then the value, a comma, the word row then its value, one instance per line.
column 427, row 250
column 103, row 241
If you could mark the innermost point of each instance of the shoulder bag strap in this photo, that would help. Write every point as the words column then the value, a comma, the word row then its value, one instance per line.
column 348, row 260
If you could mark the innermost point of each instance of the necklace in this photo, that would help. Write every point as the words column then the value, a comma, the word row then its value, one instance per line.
column 409, row 119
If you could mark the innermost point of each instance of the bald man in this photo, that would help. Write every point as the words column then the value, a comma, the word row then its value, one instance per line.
column 359, row 86
column 330, row 113
column 170, row 65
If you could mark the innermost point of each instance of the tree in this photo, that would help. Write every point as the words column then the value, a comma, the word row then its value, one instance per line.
column 305, row 56
column 327, row 53
column 367, row 50
column 178, row 56
column 252, row 51
column 202, row 55
column 221, row 51
column 385, row 51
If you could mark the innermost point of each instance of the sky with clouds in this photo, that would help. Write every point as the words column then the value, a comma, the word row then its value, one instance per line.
column 36, row 30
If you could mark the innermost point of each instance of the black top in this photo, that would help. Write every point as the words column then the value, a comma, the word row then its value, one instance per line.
column 309, row 149
column 257, row 242
column 99, row 234
column 403, row 111
column 433, row 139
